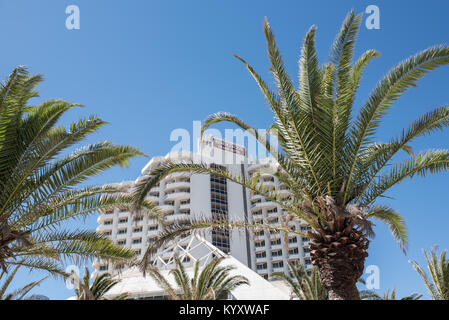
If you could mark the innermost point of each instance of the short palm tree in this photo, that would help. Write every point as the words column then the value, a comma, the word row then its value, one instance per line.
column 438, row 284
column 302, row 286
column 39, row 176
column 328, row 158
column 18, row 294
column 371, row 295
column 99, row 288
column 212, row 283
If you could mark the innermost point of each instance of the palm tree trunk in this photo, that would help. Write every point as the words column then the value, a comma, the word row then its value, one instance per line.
column 340, row 278
column 347, row 292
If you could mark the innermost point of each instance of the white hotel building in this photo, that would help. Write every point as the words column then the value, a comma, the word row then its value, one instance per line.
column 183, row 194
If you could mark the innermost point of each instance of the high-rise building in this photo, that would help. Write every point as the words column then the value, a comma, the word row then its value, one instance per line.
column 185, row 195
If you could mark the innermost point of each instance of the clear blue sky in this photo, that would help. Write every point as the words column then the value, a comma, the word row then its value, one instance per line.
column 149, row 67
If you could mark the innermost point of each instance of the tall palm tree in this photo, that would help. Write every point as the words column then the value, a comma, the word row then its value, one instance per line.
column 39, row 176
column 304, row 287
column 212, row 283
column 17, row 294
column 328, row 158
column 101, row 285
column 438, row 284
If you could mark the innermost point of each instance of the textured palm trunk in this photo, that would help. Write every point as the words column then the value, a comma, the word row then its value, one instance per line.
column 338, row 249
column 340, row 281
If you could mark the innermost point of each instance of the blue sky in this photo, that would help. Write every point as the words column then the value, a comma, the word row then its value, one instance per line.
column 149, row 67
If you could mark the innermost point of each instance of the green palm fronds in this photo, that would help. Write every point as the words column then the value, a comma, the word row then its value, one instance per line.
column 303, row 286
column 39, row 178
column 20, row 293
column 371, row 295
column 99, row 288
column 438, row 267
column 212, row 283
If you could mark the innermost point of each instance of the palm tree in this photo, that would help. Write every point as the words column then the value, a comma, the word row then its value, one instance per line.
column 328, row 158
column 39, row 179
column 17, row 294
column 304, row 287
column 212, row 283
column 101, row 285
column 438, row 284
column 371, row 295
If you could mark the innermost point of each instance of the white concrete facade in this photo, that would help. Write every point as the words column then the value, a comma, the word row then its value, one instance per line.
column 200, row 195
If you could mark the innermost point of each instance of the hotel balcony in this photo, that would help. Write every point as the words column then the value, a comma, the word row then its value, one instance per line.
column 185, row 206
column 152, row 199
column 256, row 197
column 259, row 237
column 263, row 204
column 121, row 236
column 273, row 214
column 136, row 245
column 122, row 214
column 175, row 175
column 179, row 216
column 103, row 217
column 177, row 184
column 294, row 256
column 166, row 208
column 177, row 195
column 278, row 269
column 151, row 232
column 102, row 228
column 276, row 246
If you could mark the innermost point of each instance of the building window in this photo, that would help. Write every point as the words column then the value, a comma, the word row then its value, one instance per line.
column 219, row 209
column 123, row 220
column 139, row 229
column 103, row 268
column 259, row 244
column 262, row 266
column 279, row 264
column 293, row 251
column 261, row 254
column 276, row 242
column 137, row 219
column 139, row 240
column 121, row 242
column 152, row 228
column 293, row 240
column 108, row 222
column 276, row 253
column 122, row 231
